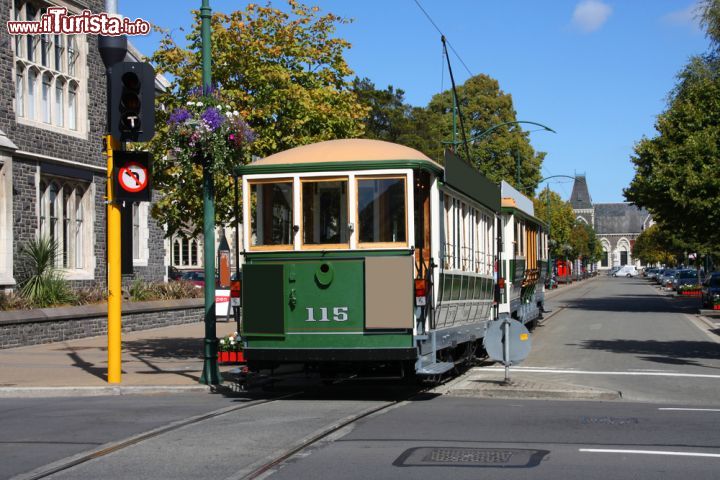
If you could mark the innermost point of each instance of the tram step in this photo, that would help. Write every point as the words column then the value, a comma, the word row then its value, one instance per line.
column 436, row 368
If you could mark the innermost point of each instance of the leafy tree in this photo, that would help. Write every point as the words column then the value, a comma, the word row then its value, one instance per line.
column 657, row 245
column 388, row 114
column 484, row 105
column 677, row 172
column 584, row 243
column 283, row 72
column 561, row 219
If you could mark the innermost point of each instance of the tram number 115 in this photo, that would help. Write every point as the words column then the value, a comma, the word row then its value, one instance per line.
column 340, row 314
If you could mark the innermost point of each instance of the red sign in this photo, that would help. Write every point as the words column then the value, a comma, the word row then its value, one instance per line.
column 133, row 177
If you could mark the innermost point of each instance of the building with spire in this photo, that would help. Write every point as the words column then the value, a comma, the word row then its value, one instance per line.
column 616, row 225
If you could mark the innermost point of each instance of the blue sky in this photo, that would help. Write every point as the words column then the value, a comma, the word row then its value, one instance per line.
column 596, row 71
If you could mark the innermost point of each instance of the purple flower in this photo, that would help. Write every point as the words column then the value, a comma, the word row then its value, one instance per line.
column 178, row 116
column 213, row 118
column 243, row 132
column 248, row 134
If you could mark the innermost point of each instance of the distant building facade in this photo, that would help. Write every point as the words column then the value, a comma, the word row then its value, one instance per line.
column 616, row 225
column 52, row 167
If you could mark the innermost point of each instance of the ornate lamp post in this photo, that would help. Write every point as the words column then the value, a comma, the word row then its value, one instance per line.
column 211, row 373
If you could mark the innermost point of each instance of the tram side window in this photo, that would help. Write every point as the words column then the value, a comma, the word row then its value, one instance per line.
column 381, row 210
column 324, row 207
column 272, row 217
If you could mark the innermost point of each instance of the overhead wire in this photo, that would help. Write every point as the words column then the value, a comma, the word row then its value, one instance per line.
column 427, row 15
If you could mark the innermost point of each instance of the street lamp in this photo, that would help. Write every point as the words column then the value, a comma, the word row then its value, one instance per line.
column 492, row 128
column 211, row 373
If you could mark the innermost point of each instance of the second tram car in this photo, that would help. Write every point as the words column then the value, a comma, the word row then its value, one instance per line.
column 525, row 258
column 364, row 256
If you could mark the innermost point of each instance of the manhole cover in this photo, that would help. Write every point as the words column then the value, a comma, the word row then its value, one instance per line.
column 609, row 421
column 469, row 457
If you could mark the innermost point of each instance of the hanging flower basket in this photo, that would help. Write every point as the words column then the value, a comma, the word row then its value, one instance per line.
column 207, row 127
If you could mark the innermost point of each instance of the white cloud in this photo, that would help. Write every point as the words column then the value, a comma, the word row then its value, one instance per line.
column 590, row 15
column 687, row 17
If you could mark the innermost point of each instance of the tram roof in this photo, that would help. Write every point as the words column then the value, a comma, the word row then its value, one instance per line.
column 335, row 154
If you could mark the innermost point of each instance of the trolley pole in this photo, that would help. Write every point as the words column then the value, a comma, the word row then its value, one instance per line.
column 211, row 373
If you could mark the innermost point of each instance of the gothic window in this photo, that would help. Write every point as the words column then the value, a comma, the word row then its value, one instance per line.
column 46, row 89
column 59, row 106
column 136, row 230
column 185, row 252
column 49, row 74
column 62, row 219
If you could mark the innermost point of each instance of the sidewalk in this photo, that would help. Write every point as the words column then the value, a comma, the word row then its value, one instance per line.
column 157, row 360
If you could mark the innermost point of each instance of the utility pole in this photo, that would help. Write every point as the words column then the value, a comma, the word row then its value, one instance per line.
column 211, row 373
column 112, row 52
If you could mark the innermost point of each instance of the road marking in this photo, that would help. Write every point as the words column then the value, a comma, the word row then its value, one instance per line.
column 692, row 409
column 648, row 370
column 585, row 372
column 651, row 452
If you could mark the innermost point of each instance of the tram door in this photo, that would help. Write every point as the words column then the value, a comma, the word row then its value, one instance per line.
column 422, row 223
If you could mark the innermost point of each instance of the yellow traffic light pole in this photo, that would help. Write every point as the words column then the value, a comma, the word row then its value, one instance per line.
column 114, row 273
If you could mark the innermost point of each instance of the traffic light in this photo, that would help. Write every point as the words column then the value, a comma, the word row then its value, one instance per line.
column 132, row 102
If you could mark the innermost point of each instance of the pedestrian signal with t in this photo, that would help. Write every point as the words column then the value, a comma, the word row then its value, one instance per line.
column 132, row 102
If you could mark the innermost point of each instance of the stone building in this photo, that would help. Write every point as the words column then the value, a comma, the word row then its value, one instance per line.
column 617, row 225
column 52, row 168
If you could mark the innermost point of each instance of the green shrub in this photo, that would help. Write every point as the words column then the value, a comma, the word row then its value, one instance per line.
column 42, row 285
column 140, row 291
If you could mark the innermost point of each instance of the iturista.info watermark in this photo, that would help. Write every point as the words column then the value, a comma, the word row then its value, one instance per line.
column 56, row 20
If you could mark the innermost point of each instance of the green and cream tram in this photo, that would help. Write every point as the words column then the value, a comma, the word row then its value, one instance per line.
column 363, row 255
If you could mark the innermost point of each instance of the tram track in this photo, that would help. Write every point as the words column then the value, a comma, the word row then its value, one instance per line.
column 65, row 466
column 71, row 462
column 269, row 466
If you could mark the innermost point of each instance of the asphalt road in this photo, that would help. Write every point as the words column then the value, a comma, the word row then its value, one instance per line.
column 625, row 334
column 462, row 438
column 608, row 333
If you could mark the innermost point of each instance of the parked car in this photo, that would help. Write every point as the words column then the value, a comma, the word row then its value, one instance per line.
column 658, row 275
column 650, row 272
column 667, row 277
column 684, row 277
column 626, row 271
column 612, row 271
column 174, row 273
column 195, row 277
column 711, row 290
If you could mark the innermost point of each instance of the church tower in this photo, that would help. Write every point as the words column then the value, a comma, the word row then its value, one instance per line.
column 581, row 202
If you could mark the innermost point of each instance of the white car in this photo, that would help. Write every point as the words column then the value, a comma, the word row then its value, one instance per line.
column 626, row 271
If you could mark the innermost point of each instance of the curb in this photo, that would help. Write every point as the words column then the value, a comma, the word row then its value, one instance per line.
column 557, row 291
column 550, row 314
column 535, row 394
column 486, row 385
column 707, row 321
column 49, row 392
